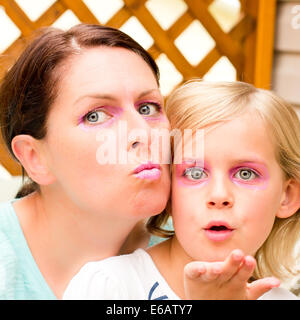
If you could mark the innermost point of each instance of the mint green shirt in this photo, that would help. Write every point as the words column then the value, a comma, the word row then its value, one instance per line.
column 20, row 277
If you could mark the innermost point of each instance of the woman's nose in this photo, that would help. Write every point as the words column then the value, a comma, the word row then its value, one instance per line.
column 138, row 134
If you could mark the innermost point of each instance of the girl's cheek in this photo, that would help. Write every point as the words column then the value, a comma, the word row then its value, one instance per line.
column 257, row 185
column 184, row 182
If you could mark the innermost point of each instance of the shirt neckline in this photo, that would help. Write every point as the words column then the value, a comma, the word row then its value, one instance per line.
column 149, row 258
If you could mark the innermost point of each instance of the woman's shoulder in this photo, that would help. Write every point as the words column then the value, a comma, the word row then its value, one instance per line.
column 17, row 266
column 9, row 224
column 8, row 255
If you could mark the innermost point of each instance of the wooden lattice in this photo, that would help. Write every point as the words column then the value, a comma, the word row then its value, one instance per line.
column 248, row 45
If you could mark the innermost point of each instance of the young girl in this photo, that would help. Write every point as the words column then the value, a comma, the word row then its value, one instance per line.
column 237, row 201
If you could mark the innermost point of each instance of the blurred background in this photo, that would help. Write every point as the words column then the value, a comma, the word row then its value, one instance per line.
column 257, row 41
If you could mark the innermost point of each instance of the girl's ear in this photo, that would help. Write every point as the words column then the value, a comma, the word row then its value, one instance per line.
column 26, row 150
column 291, row 199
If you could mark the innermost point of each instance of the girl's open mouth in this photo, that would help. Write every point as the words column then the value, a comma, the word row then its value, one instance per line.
column 218, row 231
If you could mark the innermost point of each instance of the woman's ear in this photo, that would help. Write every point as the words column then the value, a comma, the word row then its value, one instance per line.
column 27, row 150
column 291, row 199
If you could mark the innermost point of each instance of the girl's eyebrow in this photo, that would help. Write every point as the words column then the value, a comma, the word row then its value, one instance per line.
column 251, row 161
column 192, row 161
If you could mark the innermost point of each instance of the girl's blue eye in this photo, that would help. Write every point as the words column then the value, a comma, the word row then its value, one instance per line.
column 195, row 173
column 149, row 109
column 246, row 174
column 98, row 116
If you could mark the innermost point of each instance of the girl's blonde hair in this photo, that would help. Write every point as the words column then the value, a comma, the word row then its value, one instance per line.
column 198, row 104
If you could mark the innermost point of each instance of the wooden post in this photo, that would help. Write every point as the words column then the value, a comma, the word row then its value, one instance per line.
column 264, row 43
column 259, row 45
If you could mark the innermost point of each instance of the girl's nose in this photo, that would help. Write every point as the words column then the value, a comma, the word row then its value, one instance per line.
column 219, row 204
column 220, row 196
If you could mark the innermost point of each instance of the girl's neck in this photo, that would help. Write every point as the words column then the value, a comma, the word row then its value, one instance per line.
column 170, row 259
column 62, row 238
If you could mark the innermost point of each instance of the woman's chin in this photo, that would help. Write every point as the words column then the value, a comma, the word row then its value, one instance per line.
column 151, row 205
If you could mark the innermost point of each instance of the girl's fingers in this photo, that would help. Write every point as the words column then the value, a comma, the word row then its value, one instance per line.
column 194, row 269
column 244, row 273
column 203, row 271
column 213, row 271
column 261, row 286
column 231, row 265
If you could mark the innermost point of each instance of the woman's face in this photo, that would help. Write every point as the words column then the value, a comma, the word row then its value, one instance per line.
column 105, row 93
column 230, row 198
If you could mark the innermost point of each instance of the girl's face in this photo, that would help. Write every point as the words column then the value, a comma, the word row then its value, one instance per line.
column 230, row 198
column 100, row 89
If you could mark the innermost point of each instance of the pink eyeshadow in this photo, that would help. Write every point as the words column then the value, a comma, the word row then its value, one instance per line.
column 260, row 182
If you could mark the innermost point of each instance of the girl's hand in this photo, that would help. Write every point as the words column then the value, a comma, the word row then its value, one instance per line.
column 226, row 280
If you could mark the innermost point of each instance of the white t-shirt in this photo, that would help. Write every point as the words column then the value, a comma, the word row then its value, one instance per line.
column 128, row 277
column 132, row 277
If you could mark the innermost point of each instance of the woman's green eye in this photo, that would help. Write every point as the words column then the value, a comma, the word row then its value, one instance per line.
column 195, row 173
column 97, row 116
column 149, row 109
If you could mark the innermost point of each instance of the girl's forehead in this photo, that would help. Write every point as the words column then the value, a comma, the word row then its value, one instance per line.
column 243, row 137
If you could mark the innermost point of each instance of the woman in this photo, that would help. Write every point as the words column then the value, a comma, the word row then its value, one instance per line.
column 65, row 89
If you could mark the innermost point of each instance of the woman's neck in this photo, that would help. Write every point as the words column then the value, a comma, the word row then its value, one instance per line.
column 63, row 238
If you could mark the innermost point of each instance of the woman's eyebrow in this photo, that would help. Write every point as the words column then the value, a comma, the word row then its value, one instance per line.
column 96, row 96
column 144, row 93
column 110, row 97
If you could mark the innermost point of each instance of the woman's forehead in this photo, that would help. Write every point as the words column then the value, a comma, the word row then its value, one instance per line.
column 105, row 71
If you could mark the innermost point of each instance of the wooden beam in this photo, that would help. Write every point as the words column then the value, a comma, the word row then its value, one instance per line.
column 180, row 25
column 173, row 32
column 51, row 15
column 9, row 56
column 79, row 8
column 118, row 19
column 162, row 40
column 250, row 9
column 238, row 33
column 224, row 42
column 264, row 43
column 17, row 15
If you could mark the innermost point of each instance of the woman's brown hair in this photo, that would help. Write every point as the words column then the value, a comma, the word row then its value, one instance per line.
column 29, row 87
